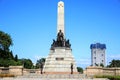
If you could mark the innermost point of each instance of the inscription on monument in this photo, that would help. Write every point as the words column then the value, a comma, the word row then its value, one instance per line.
column 59, row 59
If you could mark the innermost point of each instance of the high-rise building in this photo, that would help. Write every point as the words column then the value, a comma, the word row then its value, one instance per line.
column 98, row 55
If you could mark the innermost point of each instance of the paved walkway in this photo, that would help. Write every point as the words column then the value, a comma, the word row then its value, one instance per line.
column 46, row 79
column 56, row 76
column 51, row 77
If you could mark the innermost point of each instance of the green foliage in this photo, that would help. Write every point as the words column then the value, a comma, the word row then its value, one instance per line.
column 114, row 63
column 11, row 55
column 5, row 41
column 109, row 77
column 7, row 59
column 80, row 70
column 19, row 62
column 101, row 64
column 6, row 56
column 27, row 63
column 16, row 58
column 8, row 62
column 40, row 62
column 3, row 63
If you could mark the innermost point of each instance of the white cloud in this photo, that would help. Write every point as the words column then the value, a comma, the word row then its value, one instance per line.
column 115, row 56
column 37, row 57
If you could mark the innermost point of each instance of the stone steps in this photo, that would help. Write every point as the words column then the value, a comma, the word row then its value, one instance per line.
column 45, row 79
column 55, row 76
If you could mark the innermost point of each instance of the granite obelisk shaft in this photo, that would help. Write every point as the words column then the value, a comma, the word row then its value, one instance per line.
column 60, row 22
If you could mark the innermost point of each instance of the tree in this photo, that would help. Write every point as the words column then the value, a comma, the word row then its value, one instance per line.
column 5, row 41
column 4, row 54
column 40, row 62
column 11, row 55
column 114, row 63
column 101, row 64
column 28, row 63
column 80, row 70
column 16, row 58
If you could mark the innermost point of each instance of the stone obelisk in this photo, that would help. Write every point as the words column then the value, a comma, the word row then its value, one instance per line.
column 60, row 59
column 60, row 21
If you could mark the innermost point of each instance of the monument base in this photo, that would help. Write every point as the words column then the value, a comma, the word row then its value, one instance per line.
column 59, row 61
column 61, row 73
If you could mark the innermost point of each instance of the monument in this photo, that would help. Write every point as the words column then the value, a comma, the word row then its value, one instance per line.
column 60, row 21
column 60, row 58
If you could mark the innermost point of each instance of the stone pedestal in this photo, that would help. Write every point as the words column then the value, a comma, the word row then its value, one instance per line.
column 59, row 61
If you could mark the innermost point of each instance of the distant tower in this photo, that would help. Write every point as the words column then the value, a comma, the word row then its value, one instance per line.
column 60, row 21
column 98, row 54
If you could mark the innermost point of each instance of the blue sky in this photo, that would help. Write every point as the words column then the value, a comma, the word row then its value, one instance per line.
column 32, row 25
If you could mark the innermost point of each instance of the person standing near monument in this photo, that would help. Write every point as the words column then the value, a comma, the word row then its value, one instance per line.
column 71, row 68
column 41, row 67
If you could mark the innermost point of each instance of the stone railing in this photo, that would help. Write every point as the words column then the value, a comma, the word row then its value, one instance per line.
column 16, row 70
column 93, row 70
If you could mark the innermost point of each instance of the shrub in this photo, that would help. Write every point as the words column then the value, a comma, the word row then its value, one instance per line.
column 108, row 76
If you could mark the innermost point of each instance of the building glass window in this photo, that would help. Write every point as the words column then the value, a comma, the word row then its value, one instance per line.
column 102, row 55
column 102, row 60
